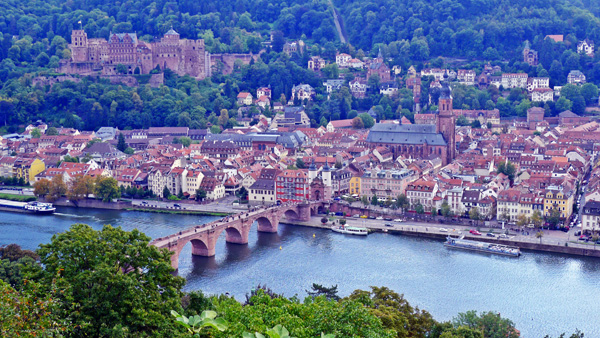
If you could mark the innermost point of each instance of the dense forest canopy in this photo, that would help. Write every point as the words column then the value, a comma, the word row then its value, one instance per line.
column 34, row 37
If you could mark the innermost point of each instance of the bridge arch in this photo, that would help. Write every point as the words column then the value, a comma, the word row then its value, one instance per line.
column 266, row 225
column 291, row 214
column 199, row 248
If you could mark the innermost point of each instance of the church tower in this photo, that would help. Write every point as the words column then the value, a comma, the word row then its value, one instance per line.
column 446, row 120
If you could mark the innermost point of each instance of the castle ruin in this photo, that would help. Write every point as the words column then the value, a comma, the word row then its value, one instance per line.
column 97, row 56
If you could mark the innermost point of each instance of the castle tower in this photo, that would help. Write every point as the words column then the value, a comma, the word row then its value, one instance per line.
column 79, row 46
column 312, row 171
column 326, row 174
column 446, row 123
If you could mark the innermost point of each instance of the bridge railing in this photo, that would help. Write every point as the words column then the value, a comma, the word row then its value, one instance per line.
column 168, row 239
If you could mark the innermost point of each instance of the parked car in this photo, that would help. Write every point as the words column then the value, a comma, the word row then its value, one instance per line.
column 474, row 232
column 489, row 234
column 371, row 217
column 356, row 215
column 443, row 230
column 398, row 220
column 339, row 213
column 177, row 205
column 363, row 216
column 144, row 202
column 389, row 225
column 379, row 218
column 389, row 219
column 503, row 236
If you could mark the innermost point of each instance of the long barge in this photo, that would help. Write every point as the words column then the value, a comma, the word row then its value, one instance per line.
column 493, row 248
column 27, row 207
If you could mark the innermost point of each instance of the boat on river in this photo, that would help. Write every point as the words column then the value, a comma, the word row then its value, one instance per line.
column 494, row 248
column 27, row 207
column 350, row 230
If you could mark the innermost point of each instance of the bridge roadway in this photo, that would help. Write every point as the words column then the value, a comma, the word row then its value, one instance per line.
column 237, row 227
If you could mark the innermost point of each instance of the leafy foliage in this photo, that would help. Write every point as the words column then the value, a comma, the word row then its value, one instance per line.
column 111, row 281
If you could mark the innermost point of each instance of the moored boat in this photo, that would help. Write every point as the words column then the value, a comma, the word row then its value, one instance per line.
column 350, row 230
column 466, row 244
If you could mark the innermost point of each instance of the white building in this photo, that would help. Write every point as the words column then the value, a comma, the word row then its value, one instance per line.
column 542, row 95
column 575, row 77
column 514, row 80
column 537, row 82
column 342, row 60
column 586, row 47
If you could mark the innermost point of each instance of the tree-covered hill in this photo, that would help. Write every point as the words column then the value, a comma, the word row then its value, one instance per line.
column 465, row 28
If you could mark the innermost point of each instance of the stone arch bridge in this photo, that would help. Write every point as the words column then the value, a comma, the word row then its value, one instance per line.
column 237, row 227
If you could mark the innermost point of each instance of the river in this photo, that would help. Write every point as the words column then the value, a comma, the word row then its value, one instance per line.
column 542, row 293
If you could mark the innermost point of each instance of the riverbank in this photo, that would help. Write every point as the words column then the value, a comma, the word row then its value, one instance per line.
column 438, row 232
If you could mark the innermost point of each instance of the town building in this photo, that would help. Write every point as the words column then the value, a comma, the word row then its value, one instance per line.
column 514, row 80
column 530, row 56
column 421, row 192
column 586, row 47
column 302, row 92
column 292, row 186
column 316, row 63
column 542, row 95
column 342, row 60
column 244, row 98
column 590, row 218
column 576, row 77
column 386, row 183
column 537, row 82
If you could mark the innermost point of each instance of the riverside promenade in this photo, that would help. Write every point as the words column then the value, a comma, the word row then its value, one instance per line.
column 551, row 241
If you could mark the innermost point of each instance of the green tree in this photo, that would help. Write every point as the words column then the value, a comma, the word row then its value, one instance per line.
column 200, row 194
column 395, row 312
column 462, row 121
column 445, row 209
column 539, row 235
column 27, row 314
column 166, row 192
column 36, row 133
column 367, row 120
column 300, row 163
column 507, row 169
column 536, row 218
column 419, row 209
column 563, row 104
column 589, row 91
column 474, row 214
column 51, row 131
column 357, row 123
column 554, row 217
column 374, row 200
column 491, row 324
column 185, row 141
column 57, row 188
column 308, row 319
column 365, row 200
column 402, row 201
column 107, row 188
column 111, row 281
column 121, row 144
column 330, row 293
